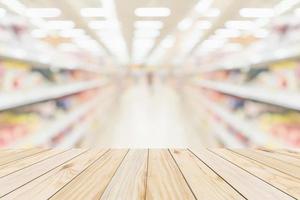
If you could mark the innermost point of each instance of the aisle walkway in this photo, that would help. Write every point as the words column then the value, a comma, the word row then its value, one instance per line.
column 148, row 118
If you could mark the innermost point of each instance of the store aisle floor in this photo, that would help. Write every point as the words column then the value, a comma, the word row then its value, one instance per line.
column 148, row 117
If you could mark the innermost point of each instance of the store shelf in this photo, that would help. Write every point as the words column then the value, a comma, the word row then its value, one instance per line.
column 43, row 136
column 73, row 137
column 278, row 55
column 227, row 138
column 40, row 63
column 280, row 98
column 17, row 99
column 256, row 137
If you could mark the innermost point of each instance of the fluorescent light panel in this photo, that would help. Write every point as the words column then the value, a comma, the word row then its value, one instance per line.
column 102, row 24
column 213, row 12
column 203, row 5
column 142, row 33
column 241, row 25
column 228, row 33
column 203, row 25
column 185, row 24
column 43, row 12
column 257, row 12
column 152, row 12
column 168, row 42
column 92, row 12
column 148, row 24
column 60, row 24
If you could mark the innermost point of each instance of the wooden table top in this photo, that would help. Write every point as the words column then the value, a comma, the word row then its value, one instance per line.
column 149, row 174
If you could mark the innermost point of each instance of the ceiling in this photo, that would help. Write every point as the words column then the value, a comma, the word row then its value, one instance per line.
column 118, row 40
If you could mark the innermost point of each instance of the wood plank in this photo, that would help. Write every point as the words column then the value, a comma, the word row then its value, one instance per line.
column 165, row 180
column 19, row 178
column 271, row 162
column 26, row 162
column 6, row 152
column 289, row 153
column 205, row 183
column 274, row 177
column 47, row 185
column 278, row 156
column 10, row 157
column 91, row 183
column 129, row 182
column 248, row 185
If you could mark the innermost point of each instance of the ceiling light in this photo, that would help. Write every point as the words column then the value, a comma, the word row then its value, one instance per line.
column 103, row 24
column 257, row 12
column 168, row 42
column 203, row 25
column 228, row 33
column 60, row 24
column 152, row 12
column 241, row 25
column 214, row 12
column 284, row 6
column 148, row 25
column 43, row 12
column 2, row 12
column 185, row 24
column 92, row 12
column 203, row 5
column 142, row 33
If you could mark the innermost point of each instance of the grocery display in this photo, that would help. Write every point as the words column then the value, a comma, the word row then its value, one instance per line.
column 204, row 73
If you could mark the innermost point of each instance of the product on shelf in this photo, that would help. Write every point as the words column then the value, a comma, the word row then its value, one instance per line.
column 20, row 123
column 280, row 123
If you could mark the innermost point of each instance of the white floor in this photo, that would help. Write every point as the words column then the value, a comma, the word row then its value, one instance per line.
column 148, row 118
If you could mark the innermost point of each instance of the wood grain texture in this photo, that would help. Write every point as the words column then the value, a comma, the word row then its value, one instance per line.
column 48, row 184
column 289, row 153
column 204, row 182
column 26, row 162
column 241, row 180
column 282, row 157
column 129, row 182
column 274, row 177
column 93, row 181
column 16, row 155
column 19, row 178
column 214, row 174
column 165, row 180
column 271, row 162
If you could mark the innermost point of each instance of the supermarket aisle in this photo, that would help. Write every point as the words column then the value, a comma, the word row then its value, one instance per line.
column 149, row 118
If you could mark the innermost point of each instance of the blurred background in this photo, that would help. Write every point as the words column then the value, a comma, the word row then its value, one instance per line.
column 150, row 73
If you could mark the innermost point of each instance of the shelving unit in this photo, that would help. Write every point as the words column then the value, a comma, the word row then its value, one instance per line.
column 292, row 51
column 41, row 63
column 17, row 99
column 255, row 136
column 280, row 98
column 45, row 134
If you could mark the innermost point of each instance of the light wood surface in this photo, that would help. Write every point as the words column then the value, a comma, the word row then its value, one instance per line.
column 135, row 174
